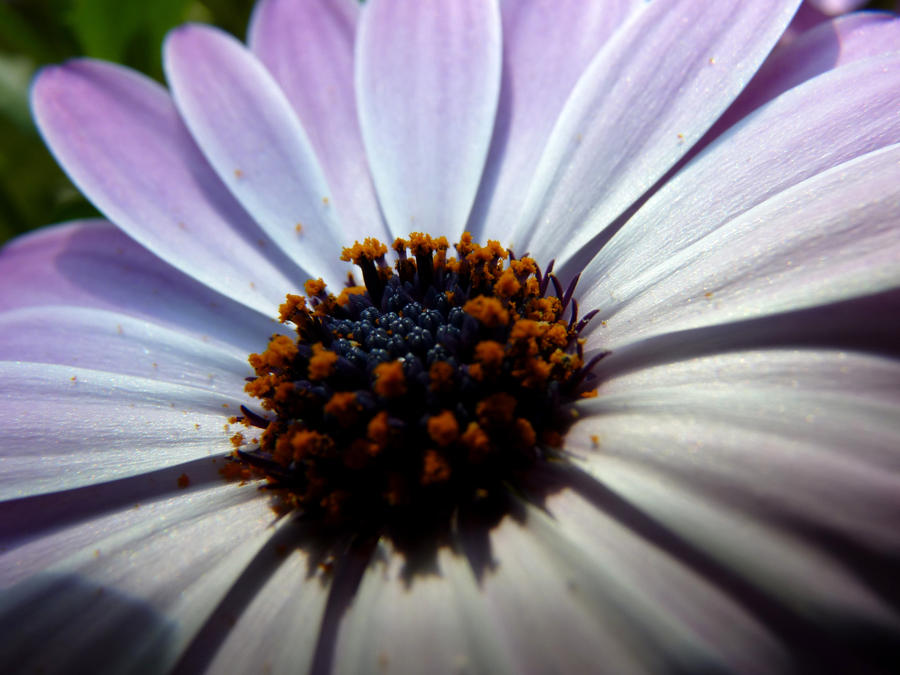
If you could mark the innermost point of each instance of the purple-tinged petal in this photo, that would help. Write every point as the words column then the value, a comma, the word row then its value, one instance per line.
column 826, row 47
column 250, row 135
column 308, row 48
column 65, row 426
column 547, row 44
column 136, row 577
column 116, row 343
column 829, row 238
column 649, row 95
column 834, row 7
column 427, row 83
column 397, row 624
column 118, row 136
column 736, row 173
column 93, row 264
column 806, row 18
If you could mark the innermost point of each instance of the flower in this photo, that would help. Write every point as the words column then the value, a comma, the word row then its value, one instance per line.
column 731, row 494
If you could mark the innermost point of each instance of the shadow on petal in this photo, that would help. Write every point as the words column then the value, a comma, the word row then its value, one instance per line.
column 830, row 645
column 92, row 629
column 849, row 324
column 31, row 516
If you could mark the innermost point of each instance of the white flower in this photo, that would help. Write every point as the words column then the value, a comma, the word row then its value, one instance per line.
column 732, row 493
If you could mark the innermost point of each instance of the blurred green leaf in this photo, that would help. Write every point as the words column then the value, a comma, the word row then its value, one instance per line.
column 232, row 15
column 125, row 32
column 15, row 79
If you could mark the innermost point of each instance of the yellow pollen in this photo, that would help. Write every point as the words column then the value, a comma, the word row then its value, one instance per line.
column 390, row 381
column 525, row 432
column 489, row 353
column 314, row 287
column 321, row 365
column 443, row 428
column 344, row 407
column 440, row 375
column 507, row 286
column 436, row 469
column 344, row 297
column 377, row 432
column 424, row 244
column 311, row 443
column 293, row 306
column 489, row 311
column 279, row 354
column 496, row 409
column 477, row 441
column 370, row 249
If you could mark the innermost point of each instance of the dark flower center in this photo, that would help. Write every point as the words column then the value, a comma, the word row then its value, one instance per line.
column 434, row 386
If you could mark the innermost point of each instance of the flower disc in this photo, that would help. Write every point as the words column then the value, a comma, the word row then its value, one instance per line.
column 433, row 387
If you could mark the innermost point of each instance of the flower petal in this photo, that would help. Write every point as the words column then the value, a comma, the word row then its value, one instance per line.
column 834, row 7
column 308, row 48
column 779, row 466
column 812, row 595
column 427, row 83
column 279, row 599
column 670, row 614
column 68, row 426
column 135, row 577
column 546, row 47
column 93, row 264
column 397, row 624
column 829, row 238
column 673, row 70
column 118, row 136
column 549, row 607
column 821, row 425
column 826, row 47
column 115, row 343
column 246, row 128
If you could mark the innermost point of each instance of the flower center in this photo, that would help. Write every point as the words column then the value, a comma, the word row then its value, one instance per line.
column 434, row 386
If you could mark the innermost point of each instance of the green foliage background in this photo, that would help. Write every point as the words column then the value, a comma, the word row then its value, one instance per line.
column 33, row 190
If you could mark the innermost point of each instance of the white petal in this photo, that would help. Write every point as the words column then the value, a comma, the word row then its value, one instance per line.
column 272, row 618
column 805, row 435
column 826, row 47
column 66, row 426
column 808, row 130
column 434, row 617
column 670, row 613
column 115, row 343
column 127, row 592
column 789, row 572
column 827, row 239
column 549, row 606
column 427, row 83
column 546, row 47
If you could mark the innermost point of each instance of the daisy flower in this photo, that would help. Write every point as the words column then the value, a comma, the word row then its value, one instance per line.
column 446, row 467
